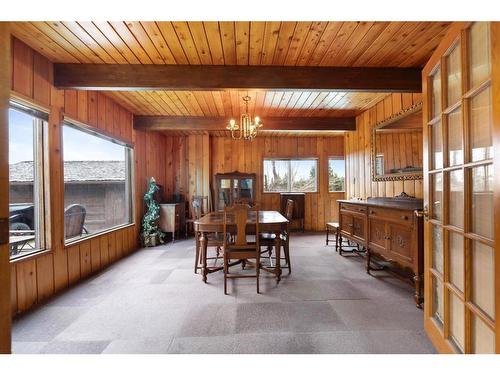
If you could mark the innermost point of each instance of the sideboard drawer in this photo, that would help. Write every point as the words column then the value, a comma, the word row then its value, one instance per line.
column 353, row 208
column 402, row 217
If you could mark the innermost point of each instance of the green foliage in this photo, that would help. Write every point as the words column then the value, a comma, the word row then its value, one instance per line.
column 150, row 230
column 335, row 182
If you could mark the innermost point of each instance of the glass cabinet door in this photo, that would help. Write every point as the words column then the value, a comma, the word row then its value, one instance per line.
column 224, row 193
column 246, row 189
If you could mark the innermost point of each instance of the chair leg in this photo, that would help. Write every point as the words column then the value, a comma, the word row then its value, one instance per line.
column 327, row 231
column 257, row 268
column 340, row 243
column 337, row 240
column 286, row 246
column 225, row 274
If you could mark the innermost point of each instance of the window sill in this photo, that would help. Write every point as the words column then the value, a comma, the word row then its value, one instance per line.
column 33, row 255
column 98, row 234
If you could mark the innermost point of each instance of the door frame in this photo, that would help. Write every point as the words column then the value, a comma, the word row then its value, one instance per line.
column 5, row 83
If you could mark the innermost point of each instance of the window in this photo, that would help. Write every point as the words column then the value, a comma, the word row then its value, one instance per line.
column 26, row 194
column 97, row 183
column 290, row 175
column 336, row 175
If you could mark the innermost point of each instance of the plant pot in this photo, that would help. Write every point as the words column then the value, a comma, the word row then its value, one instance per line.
column 150, row 241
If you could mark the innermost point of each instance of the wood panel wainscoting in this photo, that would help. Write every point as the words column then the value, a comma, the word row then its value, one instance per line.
column 359, row 182
column 36, row 278
column 390, row 230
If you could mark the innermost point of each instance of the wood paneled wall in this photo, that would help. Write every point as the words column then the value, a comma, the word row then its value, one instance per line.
column 196, row 158
column 400, row 148
column 229, row 155
column 359, row 182
column 36, row 278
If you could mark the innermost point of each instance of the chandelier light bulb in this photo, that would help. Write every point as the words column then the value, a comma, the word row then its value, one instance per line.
column 246, row 129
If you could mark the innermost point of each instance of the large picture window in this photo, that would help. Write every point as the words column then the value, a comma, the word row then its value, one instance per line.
column 290, row 175
column 26, row 194
column 336, row 175
column 97, row 183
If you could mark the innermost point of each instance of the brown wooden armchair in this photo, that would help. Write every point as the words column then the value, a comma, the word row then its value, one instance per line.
column 236, row 245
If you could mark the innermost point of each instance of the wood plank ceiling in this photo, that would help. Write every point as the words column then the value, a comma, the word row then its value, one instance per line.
column 364, row 44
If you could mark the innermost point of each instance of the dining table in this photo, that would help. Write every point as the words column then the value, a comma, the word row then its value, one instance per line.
column 213, row 222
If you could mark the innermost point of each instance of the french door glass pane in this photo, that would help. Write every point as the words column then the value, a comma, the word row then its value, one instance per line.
column 479, row 53
column 436, row 93
column 483, row 278
column 457, row 321
column 437, row 300
column 480, row 131
column 456, row 201
column 453, row 69
column 483, row 338
column 437, row 195
column 455, row 138
column 456, row 259
column 437, row 248
column 482, row 200
column 437, row 145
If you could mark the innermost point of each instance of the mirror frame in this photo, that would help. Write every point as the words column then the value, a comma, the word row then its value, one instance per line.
column 395, row 176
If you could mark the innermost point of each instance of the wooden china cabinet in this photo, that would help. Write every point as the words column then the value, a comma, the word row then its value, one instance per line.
column 233, row 187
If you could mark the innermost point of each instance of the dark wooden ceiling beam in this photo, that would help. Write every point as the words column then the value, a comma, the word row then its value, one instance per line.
column 219, row 123
column 212, row 77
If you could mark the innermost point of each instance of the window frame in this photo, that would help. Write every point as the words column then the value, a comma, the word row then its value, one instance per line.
column 327, row 172
column 41, row 188
column 290, row 159
column 129, row 167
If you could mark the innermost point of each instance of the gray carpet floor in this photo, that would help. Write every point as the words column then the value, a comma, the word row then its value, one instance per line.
column 152, row 302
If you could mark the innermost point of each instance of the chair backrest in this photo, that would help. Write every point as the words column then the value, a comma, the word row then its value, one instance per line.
column 238, row 215
column 289, row 209
column 197, row 206
column 74, row 220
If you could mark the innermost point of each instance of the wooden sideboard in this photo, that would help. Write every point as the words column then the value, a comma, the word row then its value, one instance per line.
column 388, row 229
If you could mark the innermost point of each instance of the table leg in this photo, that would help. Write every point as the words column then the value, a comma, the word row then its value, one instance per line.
column 278, row 253
column 203, row 245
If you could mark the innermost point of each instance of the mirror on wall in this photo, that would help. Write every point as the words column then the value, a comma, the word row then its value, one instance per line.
column 397, row 146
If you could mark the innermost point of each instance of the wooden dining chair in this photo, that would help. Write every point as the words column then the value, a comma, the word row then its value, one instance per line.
column 236, row 245
column 268, row 240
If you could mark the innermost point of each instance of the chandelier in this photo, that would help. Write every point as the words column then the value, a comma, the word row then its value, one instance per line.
column 246, row 129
